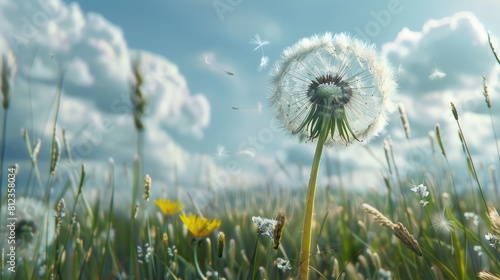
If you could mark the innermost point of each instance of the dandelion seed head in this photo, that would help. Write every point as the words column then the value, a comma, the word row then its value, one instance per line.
column 337, row 79
column 441, row 224
column 265, row 226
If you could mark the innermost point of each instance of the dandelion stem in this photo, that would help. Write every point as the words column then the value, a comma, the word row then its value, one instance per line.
column 198, row 270
column 311, row 190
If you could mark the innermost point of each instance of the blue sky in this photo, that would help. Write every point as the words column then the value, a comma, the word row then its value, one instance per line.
column 192, row 129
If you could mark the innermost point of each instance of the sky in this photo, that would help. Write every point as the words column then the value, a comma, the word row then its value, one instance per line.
column 209, row 124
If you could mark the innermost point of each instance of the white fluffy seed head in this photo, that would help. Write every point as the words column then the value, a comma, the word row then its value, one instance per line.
column 366, row 73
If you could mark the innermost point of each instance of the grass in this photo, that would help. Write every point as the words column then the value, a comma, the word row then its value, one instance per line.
column 403, row 235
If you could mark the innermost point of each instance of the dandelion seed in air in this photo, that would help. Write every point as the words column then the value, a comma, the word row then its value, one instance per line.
column 257, row 41
column 260, row 45
column 263, row 63
column 436, row 74
column 207, row 60
column 258, row 108
column 221, row 152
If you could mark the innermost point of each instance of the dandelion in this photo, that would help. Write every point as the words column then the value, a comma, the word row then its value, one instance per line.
column 333, row 88
column 198, row 226
column 284, row 265
column 422, row 191
column 334, row 83
column 31, row 227
column 441, row 224
column 168, row 207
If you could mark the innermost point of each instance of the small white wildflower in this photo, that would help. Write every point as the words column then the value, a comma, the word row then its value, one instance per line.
column 493, row 239
column 421, row 190
column 284, row 265
column 384, row 274
column 473, row 217
column 479, row 250
column 265, row 226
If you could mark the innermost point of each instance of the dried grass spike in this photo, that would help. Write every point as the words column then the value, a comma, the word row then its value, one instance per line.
column 408, row 240
column 404, row 120
column 494, row 219
column 379, row 217
column 485, row 275
column 278, row 229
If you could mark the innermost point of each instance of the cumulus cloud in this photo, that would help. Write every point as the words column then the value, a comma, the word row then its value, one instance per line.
column 458, row 45
column 53, row 40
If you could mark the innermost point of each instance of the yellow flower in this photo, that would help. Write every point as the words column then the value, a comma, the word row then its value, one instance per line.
column 198, row 226
column 169, row 207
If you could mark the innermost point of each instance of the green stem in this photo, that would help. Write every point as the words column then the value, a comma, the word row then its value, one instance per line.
column 254, row 257
column 311, row 190
column 198, row 270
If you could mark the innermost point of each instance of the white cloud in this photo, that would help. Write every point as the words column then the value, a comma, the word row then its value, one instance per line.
column 51, row 38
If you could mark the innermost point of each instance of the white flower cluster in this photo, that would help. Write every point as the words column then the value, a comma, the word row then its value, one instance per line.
column 422, row 191
column 265, row 226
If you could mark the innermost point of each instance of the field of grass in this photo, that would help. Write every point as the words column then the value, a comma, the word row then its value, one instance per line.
column 435, row 229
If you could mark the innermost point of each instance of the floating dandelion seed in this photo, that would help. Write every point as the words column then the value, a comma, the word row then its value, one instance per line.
column 221, row 152
column 263, row 63
column 206, row 59
column 258, row 107
column 260, row 45
column 257, row 41
column 337, row 83
column 436, row 73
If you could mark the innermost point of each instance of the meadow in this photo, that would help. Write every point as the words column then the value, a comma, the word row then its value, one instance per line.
column 404, row 229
